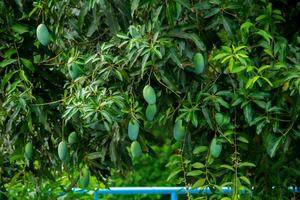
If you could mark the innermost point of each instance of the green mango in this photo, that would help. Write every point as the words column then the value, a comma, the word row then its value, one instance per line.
column 149, row 94
column 136, row 150
column 133, row 129
column 42, row 34
column 215, row 148
column 72, row 138
column 178, row 130
column 198, row 63
column 62, row 150
column 28, row 151
column 85, row 178
column 68, row 158
column 151, row 111
column 74, row 71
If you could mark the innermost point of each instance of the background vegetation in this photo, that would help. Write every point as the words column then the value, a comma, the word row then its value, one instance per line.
column 240, row 115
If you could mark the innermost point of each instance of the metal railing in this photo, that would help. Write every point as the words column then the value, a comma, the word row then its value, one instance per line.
column 174, row 192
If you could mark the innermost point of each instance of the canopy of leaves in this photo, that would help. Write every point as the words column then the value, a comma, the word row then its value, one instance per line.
column 89, row 77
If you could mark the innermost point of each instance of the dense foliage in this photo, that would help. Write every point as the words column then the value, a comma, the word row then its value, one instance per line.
column 220, row 77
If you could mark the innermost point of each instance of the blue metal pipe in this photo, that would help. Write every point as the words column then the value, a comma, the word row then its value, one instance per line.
column 172, row 191
column 174, row 196
column 159, row 190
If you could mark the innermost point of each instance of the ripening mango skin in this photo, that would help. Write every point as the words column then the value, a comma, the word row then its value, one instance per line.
column 149, row 94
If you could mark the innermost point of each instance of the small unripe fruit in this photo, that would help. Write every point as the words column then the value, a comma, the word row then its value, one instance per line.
column 136, row 150
column 151, row 111
column 178, row 130
column 62, row 150
column 149, row 94
column 42, row 34
column 133, row 129
column 28, row 151
column 215, row 148
column 72, row 138
column 198, row 63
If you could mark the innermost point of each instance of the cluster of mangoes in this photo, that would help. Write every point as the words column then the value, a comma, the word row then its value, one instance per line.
column 43, row 37
column 133, row 132
column 150, row 97
column 64, row 155
column 198, row 68
column 133, row 125
column 63, row 152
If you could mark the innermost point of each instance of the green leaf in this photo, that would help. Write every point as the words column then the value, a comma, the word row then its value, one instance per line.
column 189, row 36
column 82, row 14
column 227, row 167
column 7, row 77
column 7, row 62
column 94, row 155
column 247, row 164
column 273, row 143
column 220, row 56
column 195, row 173
column 184, row 3
column 23, row 76
column 245, row 179
column 251, row 82
column 248, row 113
column 238, row 69
column 134, row 6
column 268, row 81
column 227, row 25
column 173, row 174
column 222, row 102
column 222, row 119
column 144, row 63
column 20, row 28
column 200, row 149
column 246, row 26
column 198, row 165
column 111, row 19
column 207, row 117
column 226, row 198
column 242, row 139
column 212, row 12
column 27, row 63
column 199, row 183
column 202, row 5
column 265, row 35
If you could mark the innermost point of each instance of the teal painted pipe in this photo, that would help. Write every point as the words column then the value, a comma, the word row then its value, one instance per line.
column 172, row 191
